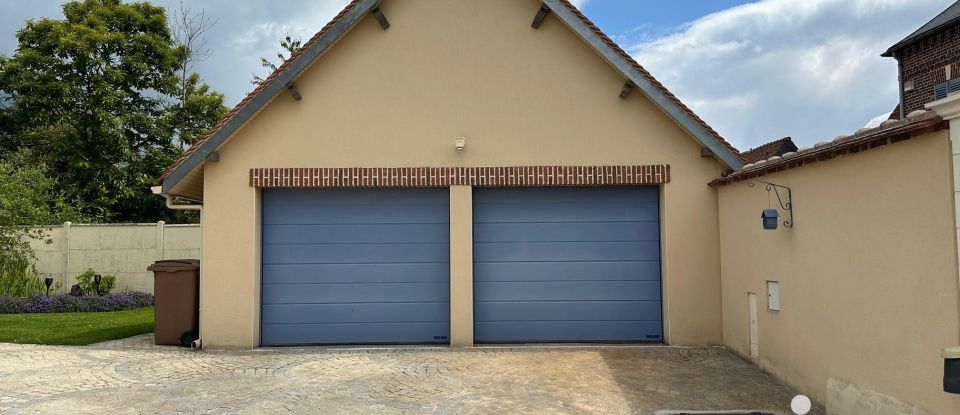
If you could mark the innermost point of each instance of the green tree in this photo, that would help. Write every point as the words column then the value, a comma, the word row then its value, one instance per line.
column 7, row 137
column 97, row 96
column 189, row 119
column 288, row 44
column 28, row 201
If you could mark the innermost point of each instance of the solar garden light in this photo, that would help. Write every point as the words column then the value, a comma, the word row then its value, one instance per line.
column 96, row 282
column 48, row 281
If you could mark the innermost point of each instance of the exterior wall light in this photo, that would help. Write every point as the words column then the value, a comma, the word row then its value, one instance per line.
column 460, row 143
column 771, row 216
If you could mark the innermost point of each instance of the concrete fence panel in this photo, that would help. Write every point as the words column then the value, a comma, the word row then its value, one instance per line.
column 123, row 250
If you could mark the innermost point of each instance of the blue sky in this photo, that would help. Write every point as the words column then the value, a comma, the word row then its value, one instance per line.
column 647, row 19
column 754, row 70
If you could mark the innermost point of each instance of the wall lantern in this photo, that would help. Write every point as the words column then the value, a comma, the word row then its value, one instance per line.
column 460, row 143
column 771, row 216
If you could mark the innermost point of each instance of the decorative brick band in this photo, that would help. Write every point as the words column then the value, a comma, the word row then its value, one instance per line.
column 458, row 176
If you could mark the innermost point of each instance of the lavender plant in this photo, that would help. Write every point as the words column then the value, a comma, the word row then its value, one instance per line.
column 65, row 303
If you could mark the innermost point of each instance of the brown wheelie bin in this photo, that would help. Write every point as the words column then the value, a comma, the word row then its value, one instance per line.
column 176, row 301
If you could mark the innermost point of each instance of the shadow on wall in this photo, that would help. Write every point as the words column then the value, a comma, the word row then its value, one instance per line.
column 846, row 398
column 673, row 380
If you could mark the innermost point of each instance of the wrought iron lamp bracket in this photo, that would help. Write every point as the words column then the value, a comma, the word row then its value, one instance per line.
column 785, row 205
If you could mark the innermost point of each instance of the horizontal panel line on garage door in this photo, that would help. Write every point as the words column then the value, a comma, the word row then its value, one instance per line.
column 355, row 227
column 275, row 225
column 359, row 264
column 562, row 242
column 492, row 281
column 564, row 301
column 354, row 322
column 395, row 202
column 568, row 262
column 579, row 278
column 362, row 243
column 577, row 320
column 282, row 264
column 495, row 222
column 581, row 202
column 552, row 251
column 361, row 303
column 356, row 283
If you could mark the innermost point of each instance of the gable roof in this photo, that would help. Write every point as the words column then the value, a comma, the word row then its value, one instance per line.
column 773, row 148
column 357, row 9
column 946, row 18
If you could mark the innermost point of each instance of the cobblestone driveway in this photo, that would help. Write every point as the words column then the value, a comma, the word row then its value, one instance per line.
column 132, row 377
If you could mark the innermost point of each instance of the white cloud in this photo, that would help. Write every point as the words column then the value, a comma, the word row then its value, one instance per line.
column 804, row 68
column 579, row 3
column 875, row 121
column 263, row 38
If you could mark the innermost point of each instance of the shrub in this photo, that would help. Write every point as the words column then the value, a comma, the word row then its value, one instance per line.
column 85, row 281
column 18, row 277
column 29, row 202
column 65, row 303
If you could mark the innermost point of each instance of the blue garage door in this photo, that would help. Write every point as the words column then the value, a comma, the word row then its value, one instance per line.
column 567, row 264
column 354, row 266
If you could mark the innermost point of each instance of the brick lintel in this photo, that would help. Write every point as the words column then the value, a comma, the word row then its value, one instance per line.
column 459, row 176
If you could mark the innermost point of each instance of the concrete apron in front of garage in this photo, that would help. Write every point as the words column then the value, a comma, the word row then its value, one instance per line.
column 132, row 376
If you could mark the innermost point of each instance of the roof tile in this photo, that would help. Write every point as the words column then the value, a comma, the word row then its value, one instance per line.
column 918, row 125
column 765, row 151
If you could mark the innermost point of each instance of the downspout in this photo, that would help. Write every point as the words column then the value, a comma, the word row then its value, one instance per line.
column 903, row 111
column 196, row 344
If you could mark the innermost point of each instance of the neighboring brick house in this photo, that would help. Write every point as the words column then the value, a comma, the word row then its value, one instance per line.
column 773, row 148
column 928, row 58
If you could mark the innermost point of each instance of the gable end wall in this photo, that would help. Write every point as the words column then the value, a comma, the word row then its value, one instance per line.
column 444, row 69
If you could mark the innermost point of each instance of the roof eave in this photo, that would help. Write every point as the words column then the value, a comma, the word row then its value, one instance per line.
column 907, row 41
column 275, row 86
column 296, row 66
column 627, row 69
column 896, row 131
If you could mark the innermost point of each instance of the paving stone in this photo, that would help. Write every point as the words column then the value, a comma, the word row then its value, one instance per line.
column 135, row 376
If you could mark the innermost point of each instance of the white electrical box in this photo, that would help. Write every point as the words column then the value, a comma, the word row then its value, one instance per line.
column 773, row 295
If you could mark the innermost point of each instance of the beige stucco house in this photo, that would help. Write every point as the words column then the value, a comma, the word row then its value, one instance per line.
column 469, row 171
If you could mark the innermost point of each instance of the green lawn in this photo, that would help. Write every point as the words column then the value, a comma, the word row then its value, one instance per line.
column 74, row 328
